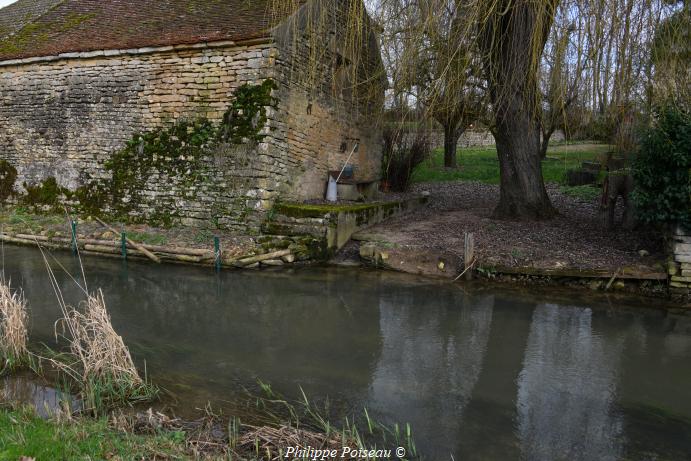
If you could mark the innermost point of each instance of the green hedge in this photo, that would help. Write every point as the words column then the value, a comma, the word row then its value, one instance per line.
column 661, row 170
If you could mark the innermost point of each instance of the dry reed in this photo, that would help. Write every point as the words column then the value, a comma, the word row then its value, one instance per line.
column 101, row 352
column 13, row 327
column 98, row 360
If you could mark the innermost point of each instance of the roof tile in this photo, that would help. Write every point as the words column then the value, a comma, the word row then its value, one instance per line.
column 90, row 25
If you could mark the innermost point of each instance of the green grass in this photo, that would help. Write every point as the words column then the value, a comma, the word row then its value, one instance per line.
column 147, row 238
column 21, row 216
column 22, row 433
column 585, row 193
column 481, row 164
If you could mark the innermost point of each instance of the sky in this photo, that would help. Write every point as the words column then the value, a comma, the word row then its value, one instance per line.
column 5, row 2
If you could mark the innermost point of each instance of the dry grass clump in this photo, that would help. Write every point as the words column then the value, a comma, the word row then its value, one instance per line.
column 101, row 352
column 103, row 365
column 13, row 327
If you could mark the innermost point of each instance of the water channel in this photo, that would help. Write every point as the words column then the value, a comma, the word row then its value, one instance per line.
column 478, row 372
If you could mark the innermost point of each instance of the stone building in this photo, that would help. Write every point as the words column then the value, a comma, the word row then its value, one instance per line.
column 79, row 79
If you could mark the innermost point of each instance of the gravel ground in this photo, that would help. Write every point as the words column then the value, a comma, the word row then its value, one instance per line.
column 574, row 239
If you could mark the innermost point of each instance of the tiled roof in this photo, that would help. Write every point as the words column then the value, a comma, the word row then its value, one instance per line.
column 91, row 25
column 15, row 16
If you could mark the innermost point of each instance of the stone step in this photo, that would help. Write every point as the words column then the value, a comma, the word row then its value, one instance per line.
column 678, row 279
column 682, row 258
column 686, row 273
column 682, row 248
column 680, row 285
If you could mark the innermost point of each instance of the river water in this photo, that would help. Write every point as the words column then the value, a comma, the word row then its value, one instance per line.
column 479, row 373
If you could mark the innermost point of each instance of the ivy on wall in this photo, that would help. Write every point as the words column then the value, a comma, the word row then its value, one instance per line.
column 8, row 176
column 246, row 117
column 176, row 152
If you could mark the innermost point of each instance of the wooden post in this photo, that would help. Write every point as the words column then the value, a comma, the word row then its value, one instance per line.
column 469, row 254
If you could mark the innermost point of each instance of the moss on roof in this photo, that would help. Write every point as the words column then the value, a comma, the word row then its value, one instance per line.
column 86, row 25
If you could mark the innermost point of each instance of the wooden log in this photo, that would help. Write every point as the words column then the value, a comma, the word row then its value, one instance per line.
column 259, row 258
column 469, row 255
column 29, row 242
column 146, row 252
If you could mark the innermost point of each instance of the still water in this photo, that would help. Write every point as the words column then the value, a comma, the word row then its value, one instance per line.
column 479, row 373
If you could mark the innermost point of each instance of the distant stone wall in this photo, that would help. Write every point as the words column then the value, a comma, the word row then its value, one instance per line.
column 475, row 138
column 680, row 266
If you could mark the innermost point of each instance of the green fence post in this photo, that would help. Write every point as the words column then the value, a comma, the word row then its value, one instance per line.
column 217, row 252
column 74, row 236
column 123, row 244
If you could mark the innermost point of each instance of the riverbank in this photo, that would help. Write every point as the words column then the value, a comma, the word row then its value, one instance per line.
column 426, row 238
column 570, row 250
column 25, row 436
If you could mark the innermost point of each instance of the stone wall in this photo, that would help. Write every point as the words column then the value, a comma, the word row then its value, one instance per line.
column 329, row 97
column 475, row 138
column 680, row 266
column 64, row 118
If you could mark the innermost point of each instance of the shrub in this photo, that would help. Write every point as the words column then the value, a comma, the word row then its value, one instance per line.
column 661, row 170
column 8, row 176
column 403, row 151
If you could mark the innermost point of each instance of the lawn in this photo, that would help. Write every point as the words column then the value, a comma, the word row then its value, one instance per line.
column 22, row 433
column 481, row 164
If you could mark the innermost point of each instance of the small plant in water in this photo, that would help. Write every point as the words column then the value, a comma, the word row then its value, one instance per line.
column 13, row 327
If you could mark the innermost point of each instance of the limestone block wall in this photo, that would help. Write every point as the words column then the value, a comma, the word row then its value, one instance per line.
column 330, row 96
column 64, row 118
column 680, row 266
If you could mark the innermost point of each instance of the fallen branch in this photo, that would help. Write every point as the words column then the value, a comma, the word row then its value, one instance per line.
column 260, row 258
column 144, row 251
column 611, row 281
column 466, row 270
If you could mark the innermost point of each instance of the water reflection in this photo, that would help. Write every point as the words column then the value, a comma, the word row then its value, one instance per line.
column 430, row 351
column 567, row 389
column 46, row 400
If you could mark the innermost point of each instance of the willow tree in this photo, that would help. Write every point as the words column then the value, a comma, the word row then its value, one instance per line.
column 449, row 73
column 507, row 38
column 512, row 38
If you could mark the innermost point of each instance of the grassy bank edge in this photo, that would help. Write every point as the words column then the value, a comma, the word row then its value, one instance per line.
column 25, row 434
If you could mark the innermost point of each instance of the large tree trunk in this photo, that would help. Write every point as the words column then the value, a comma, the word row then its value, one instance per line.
column 511, row 41
column 523, row 194
column 451, row 136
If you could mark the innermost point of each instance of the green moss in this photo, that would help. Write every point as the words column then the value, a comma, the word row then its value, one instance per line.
column 246, row 116
column 302, row 210
column 177, row 151
column 48, row 193
column 34, row 34
column 8, row 177
column 147, row 238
